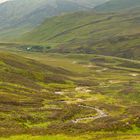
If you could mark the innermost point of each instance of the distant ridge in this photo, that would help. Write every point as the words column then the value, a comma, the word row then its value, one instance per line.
column 20, row 16
column 117, row 5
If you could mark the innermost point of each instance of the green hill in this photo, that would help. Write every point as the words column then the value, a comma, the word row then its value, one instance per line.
column 116, row 34
column 117, row 5
column 18, row 70
column 20, row 16
column 23, row 89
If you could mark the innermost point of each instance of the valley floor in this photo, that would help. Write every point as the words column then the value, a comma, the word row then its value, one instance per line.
column 69, row 96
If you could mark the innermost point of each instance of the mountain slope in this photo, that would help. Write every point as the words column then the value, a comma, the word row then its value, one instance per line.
column 30, row 13
column 89, row 32
column 90, row 3
column 117, row 5
column 19, row 16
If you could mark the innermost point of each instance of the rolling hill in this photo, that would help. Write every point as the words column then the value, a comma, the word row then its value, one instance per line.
column 20, row 16
column 30, row 13
column 116, row 34
column 22, row 90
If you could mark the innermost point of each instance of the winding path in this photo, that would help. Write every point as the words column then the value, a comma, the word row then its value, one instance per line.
column 100, row 114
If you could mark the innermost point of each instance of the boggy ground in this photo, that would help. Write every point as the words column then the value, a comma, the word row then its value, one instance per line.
column 53, row 96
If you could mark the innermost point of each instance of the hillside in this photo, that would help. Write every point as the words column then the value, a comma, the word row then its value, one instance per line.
column 20, row 16
column 23, row 89
column 117, row 5
column 30, row 13
column 116, row 34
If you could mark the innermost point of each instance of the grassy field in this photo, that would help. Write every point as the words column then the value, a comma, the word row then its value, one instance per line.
column 62, row 137
column 43, row 94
